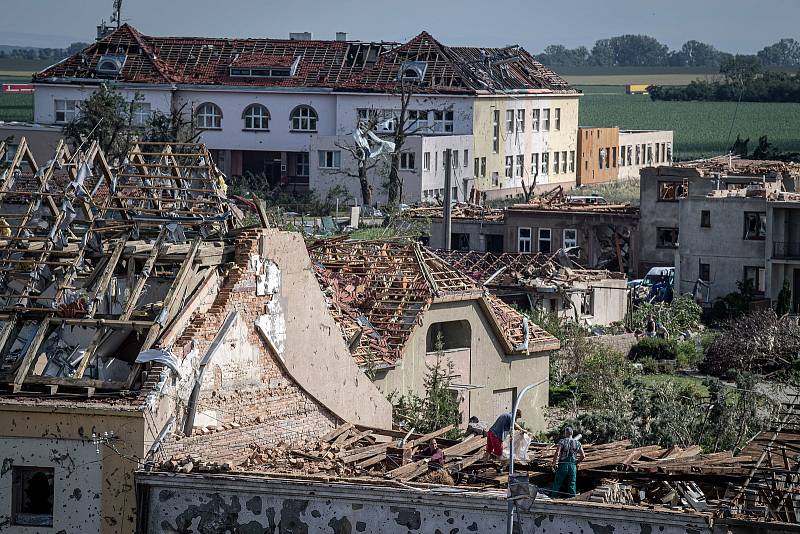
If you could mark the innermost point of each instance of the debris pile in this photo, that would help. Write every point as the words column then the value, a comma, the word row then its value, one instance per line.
column 460, row 210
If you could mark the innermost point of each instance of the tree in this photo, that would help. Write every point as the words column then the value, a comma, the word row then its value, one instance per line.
column 363, row 157
column 560, row 55
column 172, row 127
column 697, row 54
column 105, row 117
column 403, row 128
column 741, row 69
column 784, row 53
column 629, row 51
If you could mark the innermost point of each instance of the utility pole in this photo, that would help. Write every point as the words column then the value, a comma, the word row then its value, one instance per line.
column 448, row 170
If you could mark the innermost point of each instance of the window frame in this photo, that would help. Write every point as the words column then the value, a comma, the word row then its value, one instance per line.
column 408, row 161
column 534, row 163
column 546, row 119
column 483, row 167
column 208, row 111
column 520, row 124
column 545, row 161
column 759, row 282
column 528, row 240
column 571, row 161
column 139, row 118
column 28, row 519
column 510, row 120
column 303, row 114
column 677, row 194
column 701, row 267
column 556, row 162
column 496, row 131
column 332, row 163
column 674, row 244
column 573, row 240
column 761, row 231
column 705, row 218
column 519, row 169
column 249, row 115
column 557, row 119
column 509, row 167
column 548, row 240
column 302, row 164
column 443, row 121
column 535, row 119
column 69, row 113
column 426, row 161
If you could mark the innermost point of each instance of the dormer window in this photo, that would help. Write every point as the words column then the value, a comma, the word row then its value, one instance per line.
column 110, row 64
column 260, row 67
column 413, row 71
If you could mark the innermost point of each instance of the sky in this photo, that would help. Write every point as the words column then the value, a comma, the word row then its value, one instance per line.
column 737, row 26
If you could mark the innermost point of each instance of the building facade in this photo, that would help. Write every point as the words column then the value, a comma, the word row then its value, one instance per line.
column 287, row 109
column 598, row 148
column 643, row 148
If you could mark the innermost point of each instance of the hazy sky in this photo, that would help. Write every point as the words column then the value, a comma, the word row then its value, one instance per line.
column 732, row 25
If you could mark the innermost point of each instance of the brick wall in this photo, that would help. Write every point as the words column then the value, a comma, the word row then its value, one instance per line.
column 247, row 396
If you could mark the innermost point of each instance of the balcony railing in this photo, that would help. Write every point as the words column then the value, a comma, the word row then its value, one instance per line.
column 786, row 250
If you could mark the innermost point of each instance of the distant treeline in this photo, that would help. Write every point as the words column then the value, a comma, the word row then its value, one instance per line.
column 743, row 78
column 53, row 54
column 646, row 51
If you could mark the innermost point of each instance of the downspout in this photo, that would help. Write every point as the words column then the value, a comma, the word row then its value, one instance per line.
column 191, row 407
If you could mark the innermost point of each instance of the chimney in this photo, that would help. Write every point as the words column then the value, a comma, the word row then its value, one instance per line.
column 341, row 36
column 300, row 36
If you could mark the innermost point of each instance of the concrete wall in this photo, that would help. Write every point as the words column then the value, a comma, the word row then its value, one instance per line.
column 609, row 301
column 93, row 493
column 591, row 170
column 661, row 139
column 241, row 503
column 475, row 228
column 498, row 375
column 722, row 245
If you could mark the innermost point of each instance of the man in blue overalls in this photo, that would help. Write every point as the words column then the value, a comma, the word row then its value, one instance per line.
column 568, row 453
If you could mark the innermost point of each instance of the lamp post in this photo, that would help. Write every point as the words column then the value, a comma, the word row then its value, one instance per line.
column 510, row 514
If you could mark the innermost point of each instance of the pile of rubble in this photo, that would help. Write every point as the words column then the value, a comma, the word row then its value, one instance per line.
column 461, row 210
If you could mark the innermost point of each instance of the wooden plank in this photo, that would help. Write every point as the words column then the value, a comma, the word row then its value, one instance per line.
column 430, row 435
column 357, row 437
column 144, row 275
column 333, row 434
column 378, row 458
column 30, row 354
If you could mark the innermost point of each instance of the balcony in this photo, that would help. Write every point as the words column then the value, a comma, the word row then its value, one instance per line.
column 786, row 250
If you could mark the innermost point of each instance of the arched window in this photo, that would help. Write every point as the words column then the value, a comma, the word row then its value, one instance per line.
column 304, row 119
column 209, row 116
column 256, row 117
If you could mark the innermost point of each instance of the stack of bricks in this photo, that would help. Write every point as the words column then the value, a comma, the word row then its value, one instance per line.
column 259, row 403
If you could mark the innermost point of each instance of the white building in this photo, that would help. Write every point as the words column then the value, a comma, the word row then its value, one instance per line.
column 285, row 108
column 643, row 148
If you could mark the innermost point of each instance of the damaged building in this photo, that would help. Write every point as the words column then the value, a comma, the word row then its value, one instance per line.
column 394, row 299
column 539, row 282
column 138, row 314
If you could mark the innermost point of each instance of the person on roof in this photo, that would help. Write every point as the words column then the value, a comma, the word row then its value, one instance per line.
column 434, row 454
column 568, row 453
column 497, row 433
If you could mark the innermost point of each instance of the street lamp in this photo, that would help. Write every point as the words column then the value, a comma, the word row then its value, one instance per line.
column 510, row 515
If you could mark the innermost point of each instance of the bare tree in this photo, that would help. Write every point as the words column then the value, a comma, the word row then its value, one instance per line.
column 364, row 160
column 528, row 191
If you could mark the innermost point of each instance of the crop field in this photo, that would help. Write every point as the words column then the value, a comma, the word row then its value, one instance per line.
column 16, row 107
column 701, row 128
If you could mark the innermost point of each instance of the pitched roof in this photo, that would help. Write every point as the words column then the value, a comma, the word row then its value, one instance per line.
column 344, row 65
column 378, row 292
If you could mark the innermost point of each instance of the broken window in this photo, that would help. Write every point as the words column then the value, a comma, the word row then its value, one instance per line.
column 509, row 166
column 494, row 243
column 141, row 113
column 495, row 178
column 545, row 237
column 32, row 496
column 666, row 237
column 535, row 120
column 520, row 165
column 443, row 121
column 705, row 219
column 614, row 156
column 755, row 278
column 755, row 225
column 452, row 334
column 570, row 238
column 587, row 303
column 496, row 131
column 510, row 121
column 545, row 162
column 477, row 167
column 301, row 164
column 426, row 161
column 564, row 162
column 534, row 164
column 459, row 241
column 571, row 161
column 520, row 120
column 705, row 272
column 524, row 241
column 672, row 191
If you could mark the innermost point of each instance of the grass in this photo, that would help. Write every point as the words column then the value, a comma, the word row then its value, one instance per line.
column 615, row 192
column 655, row 381
column 701, row 128
column 16, row 107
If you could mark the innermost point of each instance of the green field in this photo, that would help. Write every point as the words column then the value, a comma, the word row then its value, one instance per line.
column 16, row 107
column 701, row 128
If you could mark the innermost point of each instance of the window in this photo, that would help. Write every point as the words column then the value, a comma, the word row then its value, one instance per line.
column 544, row 240
column 622, row 156
column 483, row 167
column 510, row 121
column 705, row 272
column 614, row 156
column 558, row 118
column 666, row 238
column 705, row 220
column 141, row 113
column 426, row 161
column 672, row 191
column 556, row 161
column 453, row 334
column 443, row 121
column 454, row 193
column 755, row 225
column 546, row 120
column 520, row 165
column 407, row 162
column 66, row 110
column 32, row 496
column 209, row 116
column 571, row 161
column 570, row 237
column 495, row 178
column 649, row 154
column 477, row 167
column 418, row 120
column 520, row 120
column 302, row 164
column 534, row 164
column 638, row 155
column 509, row 166
column 564, row 162
column 332, row 159
column 756, row 277
column 545, row 162
column 466, row 158
column 496, row 131
column 535, row 120
column 524, row 240
column 256, row 117
column 455, row 158
column 304, row 119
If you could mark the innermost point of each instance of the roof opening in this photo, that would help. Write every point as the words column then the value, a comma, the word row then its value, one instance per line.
column 110, row 64
column 413, row 71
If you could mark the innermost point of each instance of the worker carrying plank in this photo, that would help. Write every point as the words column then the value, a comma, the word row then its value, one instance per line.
column 568, row 453
column 497, row 433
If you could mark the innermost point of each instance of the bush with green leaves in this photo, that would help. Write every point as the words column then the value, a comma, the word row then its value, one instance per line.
column 690, row 353
column 654, row 347
column 681, row 315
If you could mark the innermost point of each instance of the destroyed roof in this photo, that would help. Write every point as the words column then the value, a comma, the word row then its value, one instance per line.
column 737, row 166
column 345, row 65
column 95, row 262
column 514, row 270
column 378, row 292
column 461, row 210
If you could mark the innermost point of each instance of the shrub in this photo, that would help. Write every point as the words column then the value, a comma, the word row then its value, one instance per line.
column 655, row 348
column 690, row 353
column 649, row 365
